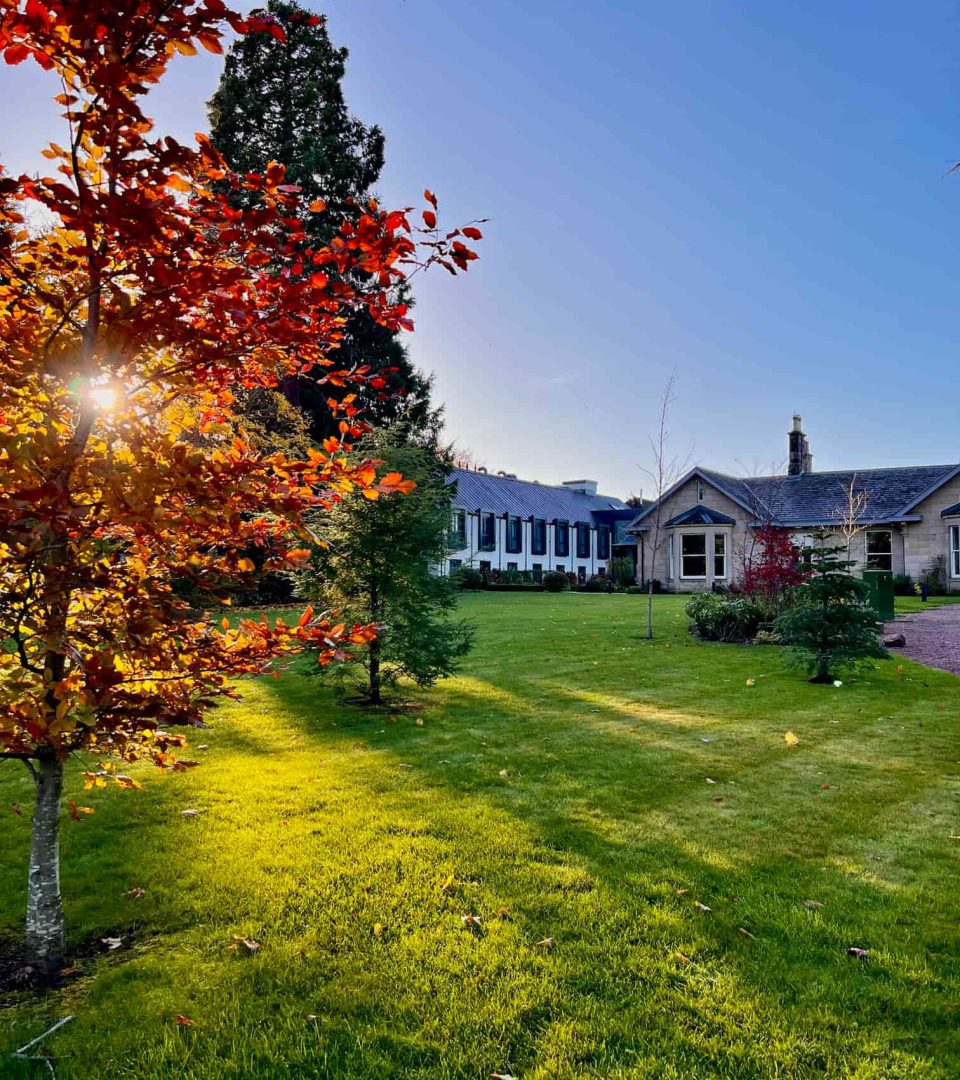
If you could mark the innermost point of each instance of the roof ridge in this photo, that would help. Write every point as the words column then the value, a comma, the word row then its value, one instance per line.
column 535, row 483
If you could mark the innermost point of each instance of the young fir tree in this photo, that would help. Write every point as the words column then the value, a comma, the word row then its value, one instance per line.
column 829, row 622
column 283, row 101
column 378, row 560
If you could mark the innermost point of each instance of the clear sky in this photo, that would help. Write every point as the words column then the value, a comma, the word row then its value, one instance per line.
column 753, row 193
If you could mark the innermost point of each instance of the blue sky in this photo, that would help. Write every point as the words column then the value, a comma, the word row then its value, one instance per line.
column 752, row 193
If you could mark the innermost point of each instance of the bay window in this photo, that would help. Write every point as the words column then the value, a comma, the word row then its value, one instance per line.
column 719, row 555
column 693, row 555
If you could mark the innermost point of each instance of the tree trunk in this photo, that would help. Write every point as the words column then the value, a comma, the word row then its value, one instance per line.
column 45, row 927
column 650, row 611
column 823, row 672
column 374, row 671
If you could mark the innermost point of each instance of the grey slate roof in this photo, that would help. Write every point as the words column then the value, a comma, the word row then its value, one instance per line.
column 526, row 498
column 821, row 498
column 700, row 515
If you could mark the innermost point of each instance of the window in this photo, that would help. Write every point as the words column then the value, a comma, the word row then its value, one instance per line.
column 455, row 565
column 514, row 535
column 719, row 555
column 879, row 549
column 583, row 540
column 955, row 551
column 671, row 568
column 488, row 532
column 693, row 555
column 560, row 568
column 484, row 566
column 603, row 542
column 699, row 491
column 537, row 569
column 458, row 529
column 538, row 537
column 511, row 567
column 562, row 538
column 581, row 574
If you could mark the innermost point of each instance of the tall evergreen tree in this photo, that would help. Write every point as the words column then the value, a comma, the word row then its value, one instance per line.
column 283, row 101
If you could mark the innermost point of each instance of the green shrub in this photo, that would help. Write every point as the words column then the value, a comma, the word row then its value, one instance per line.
column 596, row 583
column 468, row 577
column 555, row 581
column 514, row 586
column 718, row 618
column 621, row 572
column 903, row 585
column 634, row 590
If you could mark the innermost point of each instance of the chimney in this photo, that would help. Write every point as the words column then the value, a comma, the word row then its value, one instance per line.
column 584, row 487
column 800, row 460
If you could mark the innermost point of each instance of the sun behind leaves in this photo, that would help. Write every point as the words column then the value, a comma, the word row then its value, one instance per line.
column 127, row 327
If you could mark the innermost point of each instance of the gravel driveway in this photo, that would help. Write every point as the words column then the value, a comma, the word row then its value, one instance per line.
column 933, row 637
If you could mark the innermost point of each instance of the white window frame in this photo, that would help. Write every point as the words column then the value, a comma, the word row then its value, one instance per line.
column 705, row 556
column 722, row 537
column 671, row 559
column 456, row 517
column 954, row 539
column 866, row 547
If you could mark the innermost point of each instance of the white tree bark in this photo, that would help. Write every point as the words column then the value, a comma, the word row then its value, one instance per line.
column 45, row 926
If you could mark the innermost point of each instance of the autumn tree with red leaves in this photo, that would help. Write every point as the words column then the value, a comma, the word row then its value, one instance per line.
column 774, row 567
column 128, row 325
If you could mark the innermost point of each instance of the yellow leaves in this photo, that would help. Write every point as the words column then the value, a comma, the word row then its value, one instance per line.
column 178, row 183
column 246, row 565
column 76, row 811
column 791, row 740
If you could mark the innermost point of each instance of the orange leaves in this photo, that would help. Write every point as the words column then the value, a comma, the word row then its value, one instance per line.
column 318, row 206
column 152, row 280
column 393, row 483
column 76, row 811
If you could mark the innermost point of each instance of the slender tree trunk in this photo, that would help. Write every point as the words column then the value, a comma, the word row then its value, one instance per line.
column 374, row 693
column 650, row 610
column 45, row 927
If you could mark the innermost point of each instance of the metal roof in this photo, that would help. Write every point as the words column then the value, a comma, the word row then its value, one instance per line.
column 700, row 515
column 526, row 498
column 822, row 498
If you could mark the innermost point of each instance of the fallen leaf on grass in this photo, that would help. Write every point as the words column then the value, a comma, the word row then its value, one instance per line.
column 857, row 953
column 546, row 944
column 681, row 892
column 471, row 922
column 185, row 1021
column 709, row 781
column 134, row 894
column 812, row 904
column 378, row 930
column 503, row 772
column 751, row 682
column 18, row 809
column 683, row 958
column 718, row 798
column 248, row 944
column 111, row 943
column 311, row 1016
column 189, row 813
column 419, row 721
column 745, row 932
column 790, row 739
column 449, row 887
column 701, row 907
column 501, row 1076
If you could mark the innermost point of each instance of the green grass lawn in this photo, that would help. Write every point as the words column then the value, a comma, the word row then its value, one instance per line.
column 576, row 783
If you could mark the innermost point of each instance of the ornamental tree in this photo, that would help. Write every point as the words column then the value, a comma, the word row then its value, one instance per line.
column 136, row 301
column 773, row 568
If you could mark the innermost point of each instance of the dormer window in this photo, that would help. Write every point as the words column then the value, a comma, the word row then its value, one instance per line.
column 699, row 491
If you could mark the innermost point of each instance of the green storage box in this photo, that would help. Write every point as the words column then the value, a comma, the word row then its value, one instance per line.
column 879, row 585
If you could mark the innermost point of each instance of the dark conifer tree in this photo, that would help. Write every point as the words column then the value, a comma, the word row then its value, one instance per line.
column 283, row 101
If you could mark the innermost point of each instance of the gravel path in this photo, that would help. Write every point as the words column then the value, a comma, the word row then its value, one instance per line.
column 933, row 637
